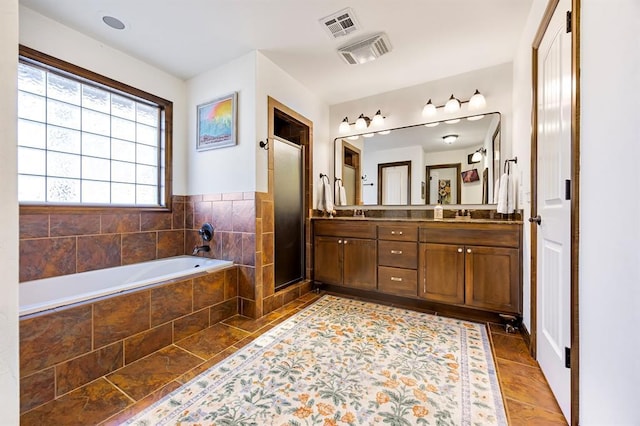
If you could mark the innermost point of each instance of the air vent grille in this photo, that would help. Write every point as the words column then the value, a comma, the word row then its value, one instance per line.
column 340, row 23
column 365, row 50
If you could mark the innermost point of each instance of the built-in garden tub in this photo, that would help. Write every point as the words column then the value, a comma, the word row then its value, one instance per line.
column 76, row 328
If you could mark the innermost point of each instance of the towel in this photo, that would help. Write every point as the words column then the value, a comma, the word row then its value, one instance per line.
column 326, row 202
column 506, row 195
column 341, row 194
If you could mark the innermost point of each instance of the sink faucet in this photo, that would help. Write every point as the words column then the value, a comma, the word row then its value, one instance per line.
column 198, row 249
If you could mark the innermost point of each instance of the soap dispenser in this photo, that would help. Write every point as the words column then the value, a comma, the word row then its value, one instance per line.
column 438, row 212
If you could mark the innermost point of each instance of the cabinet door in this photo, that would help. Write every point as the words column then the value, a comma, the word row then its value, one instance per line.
column 327, row 267
column 359, row 263
column 441, row 273
column 492, row 278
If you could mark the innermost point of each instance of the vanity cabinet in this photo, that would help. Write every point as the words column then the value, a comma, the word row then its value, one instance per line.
column 343, row 253
column 472, row 265
column 398, row 259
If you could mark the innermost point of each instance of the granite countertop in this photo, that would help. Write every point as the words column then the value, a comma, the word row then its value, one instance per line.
column 420, row 219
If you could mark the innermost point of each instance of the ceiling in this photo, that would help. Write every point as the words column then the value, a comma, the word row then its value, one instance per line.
column 431, row 39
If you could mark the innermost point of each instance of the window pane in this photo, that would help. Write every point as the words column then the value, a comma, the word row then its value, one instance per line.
column 31, row 188
column 31, row 133
column 96, row 146
column 32, row 161
column 96, row 99
column 147, row 114
column 63, row 89
column 62, row 114
column 63, row 165
column 123, row 129
column 96, row 169
column 32, row 107
column 122, row 193
column 123, row 150
column 147, row 135
column 61, row 139
column 31, row 79
column 147, row 174
column 123, row 107
column 63, row 190
column 147, row 155
column 96, row 122
column 146, row 194
column 96, row 192
column 123, row 172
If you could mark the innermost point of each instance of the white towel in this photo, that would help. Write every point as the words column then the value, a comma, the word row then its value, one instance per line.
column 341, row 194
column 326, row 201
column 506, row 195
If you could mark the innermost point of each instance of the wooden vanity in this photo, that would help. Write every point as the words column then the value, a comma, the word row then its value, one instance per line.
column 470, row 267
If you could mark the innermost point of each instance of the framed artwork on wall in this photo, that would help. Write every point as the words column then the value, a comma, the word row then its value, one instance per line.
column 217, row 122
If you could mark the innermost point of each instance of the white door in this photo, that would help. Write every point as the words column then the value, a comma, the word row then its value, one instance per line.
column 394, row 185
column 554, row 209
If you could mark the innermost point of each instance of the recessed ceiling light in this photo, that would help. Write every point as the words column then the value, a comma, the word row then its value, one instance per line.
column 114, row 23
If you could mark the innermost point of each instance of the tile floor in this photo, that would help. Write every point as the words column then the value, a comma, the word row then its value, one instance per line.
column 114, row 398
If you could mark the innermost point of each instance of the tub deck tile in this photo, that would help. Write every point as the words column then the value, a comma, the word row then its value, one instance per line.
column 212, row 341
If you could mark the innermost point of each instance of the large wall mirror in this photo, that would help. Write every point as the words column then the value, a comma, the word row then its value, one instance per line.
column 422, row 164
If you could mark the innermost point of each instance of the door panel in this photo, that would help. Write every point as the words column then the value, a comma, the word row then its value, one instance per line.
column 442, row 273
column 359, row 269
column 554, row 231
column 328, row 260
column 492, row 280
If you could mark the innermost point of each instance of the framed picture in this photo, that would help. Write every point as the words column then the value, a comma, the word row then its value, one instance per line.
column 443, row 184
column 470, row 175
column 217, row 123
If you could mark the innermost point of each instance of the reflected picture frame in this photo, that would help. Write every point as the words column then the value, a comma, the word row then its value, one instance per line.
column 217, row 123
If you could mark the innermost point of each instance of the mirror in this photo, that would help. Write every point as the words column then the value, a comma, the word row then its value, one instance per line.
column 416, row 165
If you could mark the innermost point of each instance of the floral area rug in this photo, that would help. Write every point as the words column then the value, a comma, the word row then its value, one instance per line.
column 346, row 362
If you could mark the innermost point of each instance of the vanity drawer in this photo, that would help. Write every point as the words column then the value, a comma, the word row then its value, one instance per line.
column 398, row 253
column 495, row 235
column 344, row 228
column 397, row 281
column 398, row 232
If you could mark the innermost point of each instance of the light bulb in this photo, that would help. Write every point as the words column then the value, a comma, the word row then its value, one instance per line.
column 378, row 119
column 353, row 138
column 476, row 157
column 367, row 135
column 477, row 101
column 361, row 123
column 454, row 121
column 384, row 132
column 344, row 126
column 452, row 105
column 475, row 117
column 434, row 124
column 429, row 109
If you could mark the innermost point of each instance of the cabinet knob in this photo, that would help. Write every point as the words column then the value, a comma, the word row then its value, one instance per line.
column 345, row 241
column 396, row 251
column 396, row 279
column 468, row 250
column 459, row 250
column 396, row 232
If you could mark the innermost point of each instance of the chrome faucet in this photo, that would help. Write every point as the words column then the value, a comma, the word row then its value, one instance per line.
column 198, row 249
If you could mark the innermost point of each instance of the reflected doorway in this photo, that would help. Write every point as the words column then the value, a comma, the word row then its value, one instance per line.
column 351, row 166
column 394, row 183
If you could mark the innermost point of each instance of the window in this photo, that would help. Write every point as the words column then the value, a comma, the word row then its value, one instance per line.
column 85, row 140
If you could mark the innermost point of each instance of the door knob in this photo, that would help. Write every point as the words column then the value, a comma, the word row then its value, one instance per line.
column 536, row 219
column 468, row 250
column 459, row 250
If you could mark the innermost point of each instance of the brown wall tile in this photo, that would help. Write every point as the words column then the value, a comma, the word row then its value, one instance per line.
column 222, row 215
column 267, row 248
column 82, row 370
column 179, row 198
column 138, row 247
column 211, row 197
column 244, row 218
column 178, row 215
column 248, row 308
column 170, row 243
column 98, row 252
column 120, row 317
column 246, row 282
column 290, row 295
column 268, row 280
column 191, row 324
column 267, row 216
column 171, row 301
column 208, row 290
column 201, row 213
column 73, row 224
column 141, row 345
column 155, row 221
column 120, row 223
column 248, row 249
column 272, row 303
column 230, row 283
column 231, row 246
column 48, row 339
column 47, row 257
column 37, row 389
column 34, row 225
column 223, row 310
column 229, row 196
column 188, row 215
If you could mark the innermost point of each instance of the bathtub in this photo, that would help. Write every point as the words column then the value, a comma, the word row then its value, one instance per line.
column 50, row 293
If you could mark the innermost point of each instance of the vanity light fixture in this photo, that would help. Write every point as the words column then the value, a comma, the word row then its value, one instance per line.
column 477, row 156
column 378, row 119
column 344, row 126
column 354, row 138
column 367, row 135
column 384, row 132
column 362, row 123
column 477, row 102
column 453, row 121
column 434, row 124
column 449, row 139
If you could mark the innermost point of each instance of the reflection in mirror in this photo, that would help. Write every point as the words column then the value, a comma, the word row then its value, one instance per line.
column 405, row 165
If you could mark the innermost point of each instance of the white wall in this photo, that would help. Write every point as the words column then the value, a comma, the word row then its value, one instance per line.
column 273, row 81
column 609, row 221
column 9, row 372
column 55, row 39
column 230, row 169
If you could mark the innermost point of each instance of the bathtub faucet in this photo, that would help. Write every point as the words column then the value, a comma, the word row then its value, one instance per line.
column 198, row 249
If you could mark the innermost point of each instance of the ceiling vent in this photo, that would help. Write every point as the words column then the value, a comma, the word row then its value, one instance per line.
column 340, row 23
column 365, row 50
